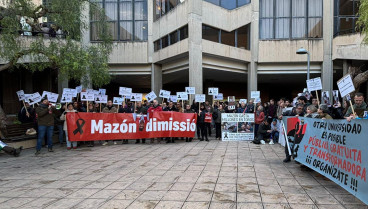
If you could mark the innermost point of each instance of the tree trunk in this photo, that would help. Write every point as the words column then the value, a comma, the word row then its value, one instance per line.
column 2, row 118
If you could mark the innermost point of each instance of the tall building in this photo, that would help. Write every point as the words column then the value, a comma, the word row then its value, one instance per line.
column 236, row 45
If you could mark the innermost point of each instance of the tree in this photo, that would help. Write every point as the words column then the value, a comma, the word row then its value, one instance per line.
column 358, row 76
column 87, row 63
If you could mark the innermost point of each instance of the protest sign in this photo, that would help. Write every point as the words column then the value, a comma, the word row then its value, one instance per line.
column 243, row 100
column 200, row 98
column 164, row 94
column 136, row 97
column 151, row 96
column 35, row 98
column 90, row 97
column 89, row 91
column 314, row 84
column 79, row 89
column 336, row 149
column 326, row 98
column 190, row 90
column 255, row 94
column 20, row 94
column 102, row 91
column 118, row 100
column 101, row 99
column 219, row 96
column 124, row 91
column 182, row 96
column 231, row 102
column 66, row 98
column 335, row 97
column 237, row 126
column 53, row 97
column 345, row 85
column 110, row 126
column 173, row 98
column 213, row 91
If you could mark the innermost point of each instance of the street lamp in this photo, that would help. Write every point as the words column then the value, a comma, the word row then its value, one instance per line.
column 304, row 51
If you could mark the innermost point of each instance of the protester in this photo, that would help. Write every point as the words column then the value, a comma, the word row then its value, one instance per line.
column 311, row 112
column 315, row 102
column 69, row 144
column 201, row 124
column 91, row 108
column 275, row 130
column 323, row 112
column 250, row 107
column 302, row 100
column 45, row 124
column 264, row 132
column 242, row 108
column 188, row 110
column 170, row 108
column 59, row 123
column 10, row 150
column 155, row 108
column 359, row 107
column 27, row 114
column 259, row 117
column 140, row 110
column 208, row 121
column 109, row 109
column 217, row 117
column 280, row 109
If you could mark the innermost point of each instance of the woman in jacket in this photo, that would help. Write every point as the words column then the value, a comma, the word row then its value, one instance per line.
column 259, row 118
column 63, row 117
column 217, row 118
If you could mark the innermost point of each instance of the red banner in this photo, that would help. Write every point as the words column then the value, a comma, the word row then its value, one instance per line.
column 113, row 126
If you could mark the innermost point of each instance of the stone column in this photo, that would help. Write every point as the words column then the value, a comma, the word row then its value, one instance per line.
column 345, row 67
column 195, row 45
column 86, row 35
column 156, row 79
column 327, row 67
column 252, row 66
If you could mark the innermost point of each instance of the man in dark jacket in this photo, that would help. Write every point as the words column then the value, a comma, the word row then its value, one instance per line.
column 45, row 124
column 140, row 110
column 272, row 109
column 201, row 123
column 26, row 114
column 250, row 107
column 242, row 108
column 170, row 108
column 217, row 117
column 188, row 109
column 264, row 131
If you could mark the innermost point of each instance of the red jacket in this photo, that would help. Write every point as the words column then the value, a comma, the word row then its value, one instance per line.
column 260, row 118
column 154, row 109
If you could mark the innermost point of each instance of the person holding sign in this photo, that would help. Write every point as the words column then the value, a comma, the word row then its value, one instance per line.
column 155, row 108
column 45, row 124
column 217, row 118
column 359, row 107
column 26, row 114
column 140, row 110
column 65, row 128
column 201, row 122
column 188, row 109
column 109, row 109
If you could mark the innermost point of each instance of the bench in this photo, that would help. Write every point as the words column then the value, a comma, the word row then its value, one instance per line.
column 17, row 132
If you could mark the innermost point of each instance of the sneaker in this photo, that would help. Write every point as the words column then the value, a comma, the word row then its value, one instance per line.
column 115, row 143
column 38, row 152
column 104, row 144
column 17, row 151
column 271, row 142
column 263, row 142
column 287, row 159
column 50, row 150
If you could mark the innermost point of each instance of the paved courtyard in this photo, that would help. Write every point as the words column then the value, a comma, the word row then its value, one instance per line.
column 181, row 175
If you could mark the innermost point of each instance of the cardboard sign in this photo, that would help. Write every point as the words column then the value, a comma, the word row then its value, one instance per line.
column 173, row 98
column 182, row 95
column 346, row 85
column 255, row 94
column 190, row 90
column 74, row 92
column 52, row 97
column 35, row 98
column 231, row 102
column 66, row 98
column 200, row 98
column 213, row 91
column 257, row 100
column 27, row 96
column 79, row 89
column 219, row 96
column 101, row 99
column 87, row 97
column 118, row 101
column 89, row 91
column 164, row 94
column 326, row 98
column 151, row 96
column 96, row 92
column 335, row 97
column 102, row 91
column 20, row 94
column 314, row 84
column 243, row 100
column 124, row 91
column 136, row 97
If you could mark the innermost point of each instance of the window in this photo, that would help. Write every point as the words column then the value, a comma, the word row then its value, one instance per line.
column 290, row 19
column 345, row 16
column 229, row 4
column 162, row 7
column 172, row 38
column 127, row 20
column 210, row 33
column 237, row 38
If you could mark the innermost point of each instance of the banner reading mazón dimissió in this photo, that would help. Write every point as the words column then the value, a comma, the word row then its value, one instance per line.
column 109, row 126
column 336, row 149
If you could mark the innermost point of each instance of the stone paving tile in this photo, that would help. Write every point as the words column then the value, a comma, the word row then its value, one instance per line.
column 181, row 175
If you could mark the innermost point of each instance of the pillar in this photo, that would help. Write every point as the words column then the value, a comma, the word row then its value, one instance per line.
column 156, row 79
column 252, row 67
column 327, row 66
column 195, row 45
column 345, row 67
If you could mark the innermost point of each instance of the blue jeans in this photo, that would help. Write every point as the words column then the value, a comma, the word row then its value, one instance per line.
column 61, row 133
column 275, row 136
column 69, row 143
column 42, row 131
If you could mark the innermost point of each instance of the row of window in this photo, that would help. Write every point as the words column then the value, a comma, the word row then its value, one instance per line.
column 238, row 38
column 229, row 4
column 345, row 16
column 172, row 38
column 127, row 20
column 291, row 19
column 162, row 7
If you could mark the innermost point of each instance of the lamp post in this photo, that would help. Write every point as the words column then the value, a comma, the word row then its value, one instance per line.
column 304, row 51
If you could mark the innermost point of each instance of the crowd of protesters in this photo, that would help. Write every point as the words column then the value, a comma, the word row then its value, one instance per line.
column 267, row 116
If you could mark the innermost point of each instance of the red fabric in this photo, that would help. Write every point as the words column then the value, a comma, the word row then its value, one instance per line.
column 295, row 123
column 208, row 118
column 154, row 109
column 109, row 126
column 260, row 118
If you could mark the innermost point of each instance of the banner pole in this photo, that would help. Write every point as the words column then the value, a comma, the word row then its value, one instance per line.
column 135, row 106
column 162, row 101
column 117, row 111
column 24, row 104
column 286, row 138
column 124, row 102
column 317, row 97
column 77, row 97
column 87, row 106
column 182, row 104
column 352, row 108
column 100, row 107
